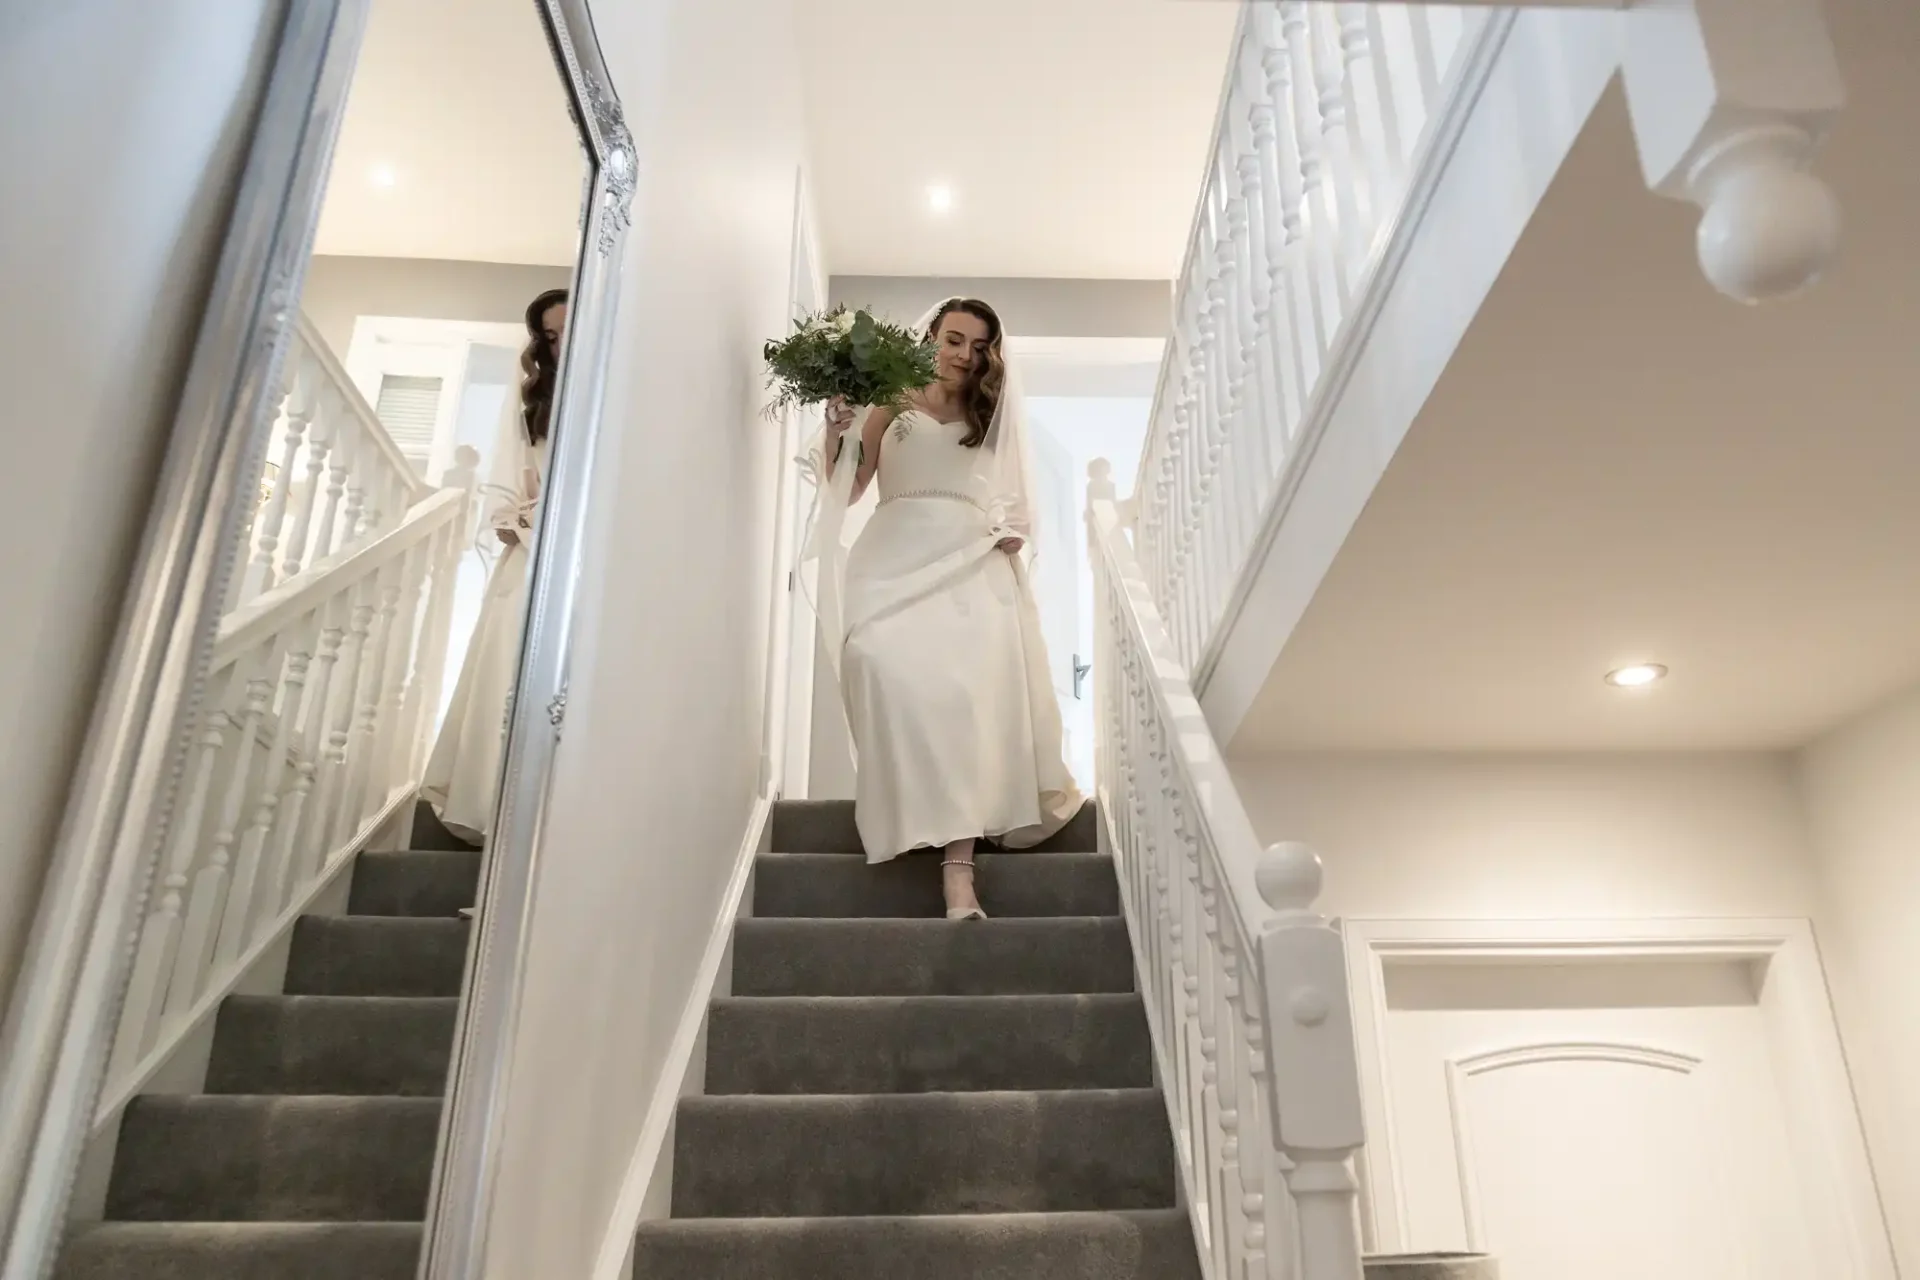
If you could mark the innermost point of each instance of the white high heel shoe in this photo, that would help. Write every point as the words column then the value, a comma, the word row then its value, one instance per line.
column 962, row 913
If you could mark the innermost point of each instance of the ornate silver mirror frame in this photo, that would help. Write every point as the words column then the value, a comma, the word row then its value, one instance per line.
column 466, row 1168
column 80, row 955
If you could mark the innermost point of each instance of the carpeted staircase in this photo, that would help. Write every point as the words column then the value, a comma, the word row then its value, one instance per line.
column 891, row 1095
column 887, row 1094
column 308, row 1157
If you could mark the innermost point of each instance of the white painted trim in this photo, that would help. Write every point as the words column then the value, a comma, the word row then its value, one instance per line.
column 207, row 1007
column 678, row 1072
column 1823, row 1125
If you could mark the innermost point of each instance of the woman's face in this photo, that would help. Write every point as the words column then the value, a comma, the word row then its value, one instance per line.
column 553, row 323
column 962, row 344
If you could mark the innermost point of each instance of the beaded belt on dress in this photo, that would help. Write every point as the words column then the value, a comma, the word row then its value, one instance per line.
column 951, row 495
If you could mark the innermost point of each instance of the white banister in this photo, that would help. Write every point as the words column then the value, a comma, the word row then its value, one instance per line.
column 1244, row 982
column 311, row 730
column 333, row 475
column 1323, row 118
column 1336, row 124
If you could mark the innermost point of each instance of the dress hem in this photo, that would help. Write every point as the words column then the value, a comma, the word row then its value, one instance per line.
column 1047, row 826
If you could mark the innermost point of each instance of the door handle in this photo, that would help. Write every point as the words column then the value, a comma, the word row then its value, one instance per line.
column 1080, row 670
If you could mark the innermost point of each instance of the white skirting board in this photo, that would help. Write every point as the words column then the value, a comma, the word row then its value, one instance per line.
column 646, row 1192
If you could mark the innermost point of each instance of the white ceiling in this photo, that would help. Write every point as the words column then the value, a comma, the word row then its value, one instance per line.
column 462, row 101
column 1621, row 466
column 1072, row 132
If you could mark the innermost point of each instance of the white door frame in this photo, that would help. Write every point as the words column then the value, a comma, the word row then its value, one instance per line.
column 1845, row 1216
column 786, row 722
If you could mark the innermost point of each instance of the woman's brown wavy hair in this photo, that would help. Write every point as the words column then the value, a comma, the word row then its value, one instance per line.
column 981, row 396
column 539, row 367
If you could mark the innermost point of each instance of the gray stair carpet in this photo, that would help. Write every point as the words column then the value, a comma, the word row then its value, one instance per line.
column 889, row 1094
column 309, row 1155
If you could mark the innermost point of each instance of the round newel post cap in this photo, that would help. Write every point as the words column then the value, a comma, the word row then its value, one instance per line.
column 1289, row 876
column 1770, row 228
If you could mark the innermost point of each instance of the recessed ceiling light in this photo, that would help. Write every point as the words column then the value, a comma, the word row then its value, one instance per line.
column 1637, row 676
column 940, row 197
column 382, row 175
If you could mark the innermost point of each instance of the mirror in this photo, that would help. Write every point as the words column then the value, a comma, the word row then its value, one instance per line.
column 318, row 765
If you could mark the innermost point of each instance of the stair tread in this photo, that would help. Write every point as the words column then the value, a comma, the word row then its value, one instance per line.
column 976, row 1099
column 332, row 1045
column 428, row 832
column 852, row 957
column 909, row 1044
column 832, row 885
column 242, row 1251
column 877, row 1154
column 274, row 1157
column 377, row 956
column 1143, row 1244
column 414, row 882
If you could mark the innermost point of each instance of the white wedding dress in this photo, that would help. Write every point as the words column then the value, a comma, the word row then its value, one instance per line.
column 462, row 774
column 944, row 670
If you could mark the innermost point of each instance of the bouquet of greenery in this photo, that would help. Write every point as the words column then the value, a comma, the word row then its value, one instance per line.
column 847, row 353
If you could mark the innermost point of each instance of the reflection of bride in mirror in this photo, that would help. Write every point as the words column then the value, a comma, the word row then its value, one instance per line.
column 462, row 772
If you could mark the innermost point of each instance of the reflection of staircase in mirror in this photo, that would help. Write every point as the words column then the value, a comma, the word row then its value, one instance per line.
column 308, row 1156
column 887, row 1094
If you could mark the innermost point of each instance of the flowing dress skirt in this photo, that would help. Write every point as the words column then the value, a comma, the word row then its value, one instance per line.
column 462, row 775
column 954, row 722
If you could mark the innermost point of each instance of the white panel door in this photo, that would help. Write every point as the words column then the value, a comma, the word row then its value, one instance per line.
column 1587, row 1122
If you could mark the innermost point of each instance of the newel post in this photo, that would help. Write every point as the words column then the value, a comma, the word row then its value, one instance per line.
column 1100, row 482
column 1313, row 1077
column 1728, row 107
column 1100, row 488
column 464, row 473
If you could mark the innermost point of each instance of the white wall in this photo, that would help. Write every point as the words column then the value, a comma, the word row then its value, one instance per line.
column 657, row 771
column 1861, row 785
column 122, row 127
column 1493, row 837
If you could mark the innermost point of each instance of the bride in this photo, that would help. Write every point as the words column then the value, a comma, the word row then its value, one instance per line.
column 931, row 620
column 462, row 774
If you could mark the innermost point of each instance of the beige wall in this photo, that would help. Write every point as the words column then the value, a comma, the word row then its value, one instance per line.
column 1032, row 307
column 1862, row 790
column 340, row 289
column 122, row 128
column 657, row 772
column 1495, row 837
